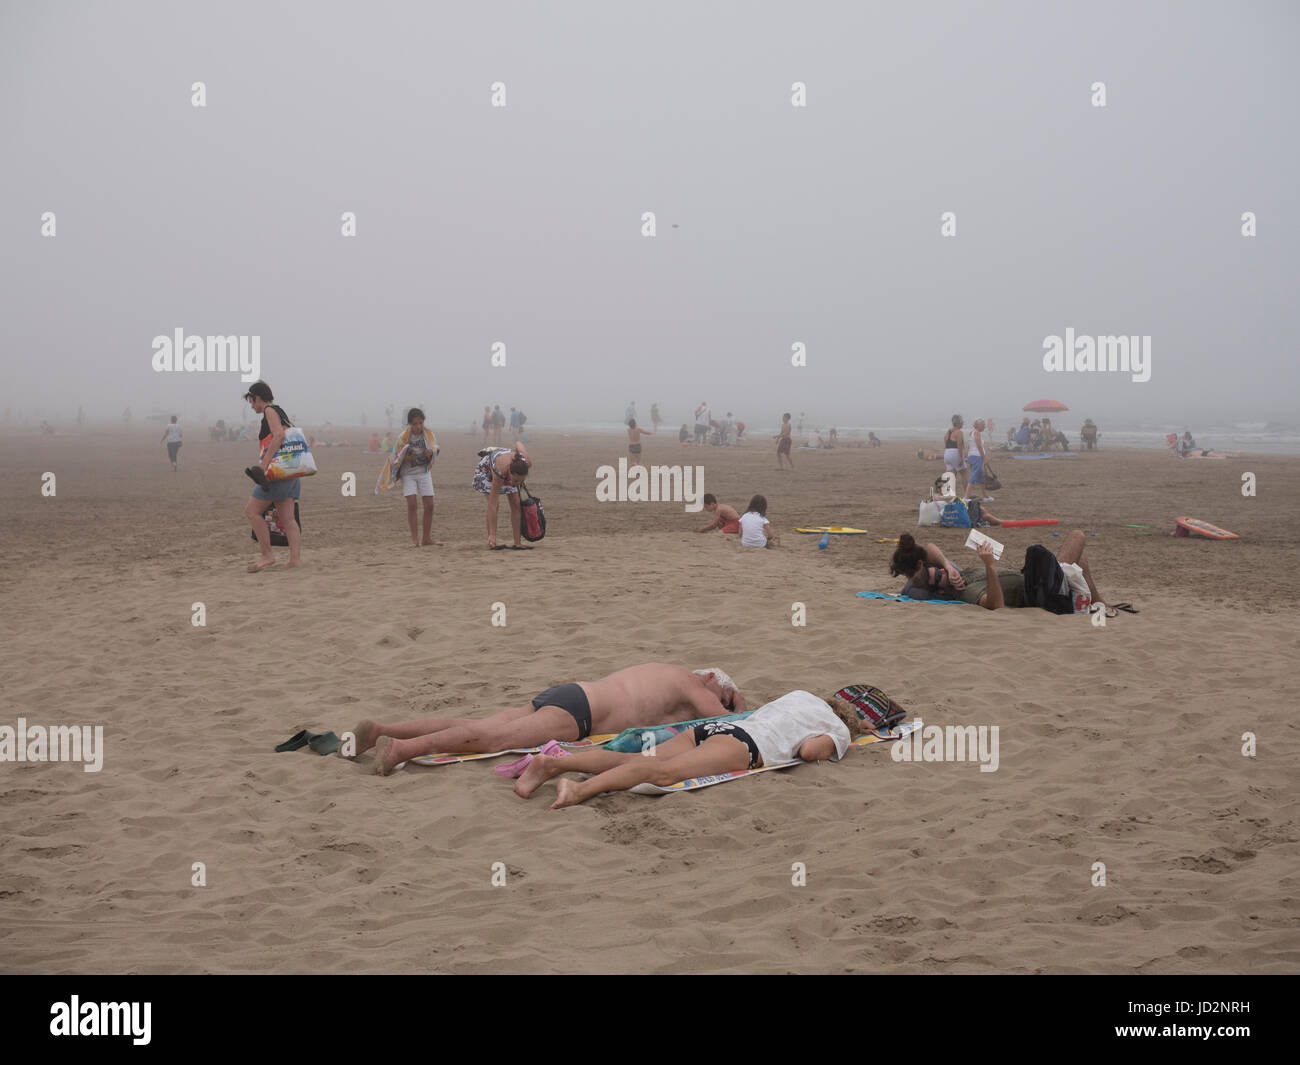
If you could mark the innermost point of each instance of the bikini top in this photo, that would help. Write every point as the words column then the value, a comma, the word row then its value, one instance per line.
column 948, row 441
column 492, row 462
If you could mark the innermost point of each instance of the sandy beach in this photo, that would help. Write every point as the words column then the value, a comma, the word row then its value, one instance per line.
column 1120, row 745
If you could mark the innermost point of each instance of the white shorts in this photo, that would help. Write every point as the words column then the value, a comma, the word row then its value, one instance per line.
column 417, row 484
column 952, row 459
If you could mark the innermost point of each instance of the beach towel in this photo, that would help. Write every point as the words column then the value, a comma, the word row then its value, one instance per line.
column 1062, row 455
column 635, row 740
column 388, row 475
column 895, row 733
column 903, row 598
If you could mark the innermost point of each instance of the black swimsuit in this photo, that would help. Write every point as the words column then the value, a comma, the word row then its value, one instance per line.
column 572, row 700
column 708, row 729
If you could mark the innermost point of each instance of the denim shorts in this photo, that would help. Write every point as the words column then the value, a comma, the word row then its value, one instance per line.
column 279, row 490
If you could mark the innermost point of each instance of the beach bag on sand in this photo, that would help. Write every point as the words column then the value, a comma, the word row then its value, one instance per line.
column 278, row 539
column 955, row 515
column 930, row 512
column 991, row 481
column 532, row 518
column 294, row 459
column 1046, row 585
column 877, row 710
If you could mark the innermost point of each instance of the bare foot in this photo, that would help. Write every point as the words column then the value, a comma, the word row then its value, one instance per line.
column 261, row 564
column 533, row 776
column 426, row 543
column 365, row 734
column 386, row 761
column 568, row 794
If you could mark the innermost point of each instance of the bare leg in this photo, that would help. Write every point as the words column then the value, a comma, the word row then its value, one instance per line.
column 367, row 732
column 428, row 521
column 718, row 754
column 284, row 512
column 255, row 511
column 548, row 723
column 542, row 768
column 516, row 514
column 1072, row 551
column 413, row 502
column 493, row 500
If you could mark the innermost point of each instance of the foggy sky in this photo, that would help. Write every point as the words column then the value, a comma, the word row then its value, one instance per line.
column 522, row 224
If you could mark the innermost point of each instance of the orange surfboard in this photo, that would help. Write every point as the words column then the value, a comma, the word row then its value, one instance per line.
column 1196, row 527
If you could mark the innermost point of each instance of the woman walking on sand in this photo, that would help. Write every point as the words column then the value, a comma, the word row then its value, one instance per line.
column 280, row 494
column 172, row 437
column 500, row 471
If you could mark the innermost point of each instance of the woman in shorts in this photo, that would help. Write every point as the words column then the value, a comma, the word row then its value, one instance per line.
column 416, row 448
column 798, row 725
column 267, row 494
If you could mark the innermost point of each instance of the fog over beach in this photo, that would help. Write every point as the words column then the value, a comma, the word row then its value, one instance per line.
column 270, row 269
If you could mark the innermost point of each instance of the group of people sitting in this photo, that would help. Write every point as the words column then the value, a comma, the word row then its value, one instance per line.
column 798, row 725
column 1041, row 435
column 1185, row 448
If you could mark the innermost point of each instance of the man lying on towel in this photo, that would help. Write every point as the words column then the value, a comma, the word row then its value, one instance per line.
column 652, row 694
column 931, row 576
column 797, row 725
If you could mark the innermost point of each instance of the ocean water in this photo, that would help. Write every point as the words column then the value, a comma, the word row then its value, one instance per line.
column 1264, row 438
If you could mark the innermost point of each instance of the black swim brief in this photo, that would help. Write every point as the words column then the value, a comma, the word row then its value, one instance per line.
column 572, row 700
column 706, row 729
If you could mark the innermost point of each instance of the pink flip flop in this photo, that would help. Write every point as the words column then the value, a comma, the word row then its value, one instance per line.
column 516, row 769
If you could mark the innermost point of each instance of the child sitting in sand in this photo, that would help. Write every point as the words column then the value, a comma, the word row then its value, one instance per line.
column 798, row 725
column 755, row 530
column 724, row 517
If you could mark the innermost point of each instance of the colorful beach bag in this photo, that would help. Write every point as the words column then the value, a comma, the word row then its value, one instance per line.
column 294, row 459
column 532, row 519
column 877, row 710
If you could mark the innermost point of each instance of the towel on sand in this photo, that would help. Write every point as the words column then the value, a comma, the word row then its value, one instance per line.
column 903, row 598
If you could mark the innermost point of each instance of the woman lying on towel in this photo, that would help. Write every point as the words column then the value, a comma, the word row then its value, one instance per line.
column 797, row 725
